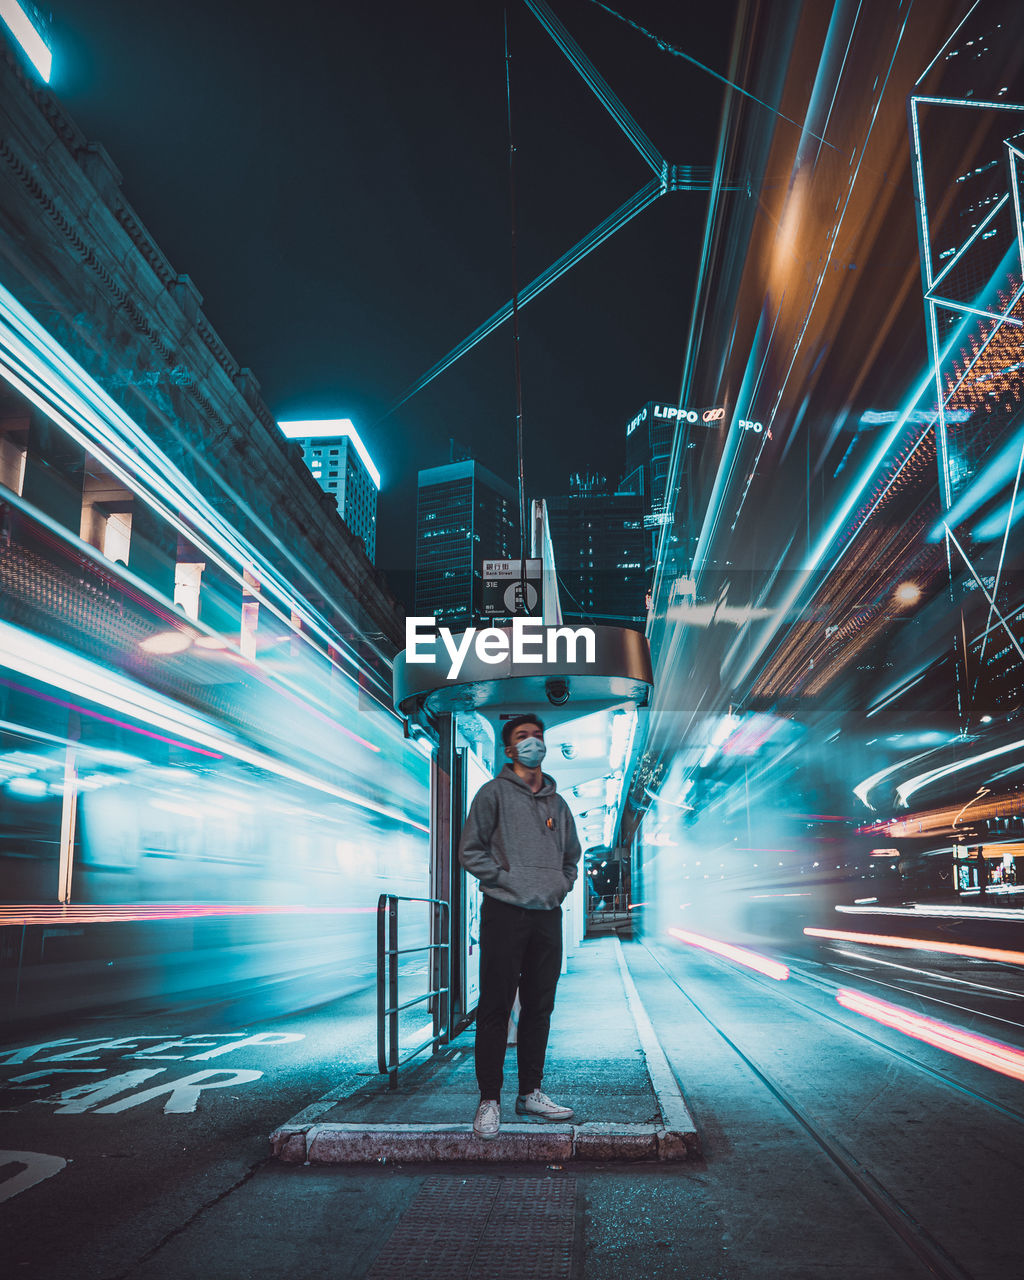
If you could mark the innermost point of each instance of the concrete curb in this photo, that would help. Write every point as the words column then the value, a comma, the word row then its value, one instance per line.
column 303, row 1141
column 671, row 1104
column 442, row 1143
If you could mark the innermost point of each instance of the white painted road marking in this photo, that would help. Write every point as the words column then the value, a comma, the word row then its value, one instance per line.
column 14, row 1056
column 262, row 1037
column 37, row 1168
column 83, row 1097
column 102, row 1096
column 184, row 1093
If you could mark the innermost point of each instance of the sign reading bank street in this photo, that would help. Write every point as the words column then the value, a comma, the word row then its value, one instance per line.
column 527, row 641
column 506, row 591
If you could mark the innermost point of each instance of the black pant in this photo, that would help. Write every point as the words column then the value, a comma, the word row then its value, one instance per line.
column 518, row 948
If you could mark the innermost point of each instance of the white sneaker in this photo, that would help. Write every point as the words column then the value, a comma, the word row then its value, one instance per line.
column 539, row 1104
column 488, row 1119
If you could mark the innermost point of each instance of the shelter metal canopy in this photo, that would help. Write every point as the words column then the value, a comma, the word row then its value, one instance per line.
column 619, row 672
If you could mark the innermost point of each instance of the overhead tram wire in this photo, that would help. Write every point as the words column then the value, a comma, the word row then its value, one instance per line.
column 520, row 466
column 665, row 46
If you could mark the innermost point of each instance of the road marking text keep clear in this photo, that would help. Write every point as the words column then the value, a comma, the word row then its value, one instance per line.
column 182, row 1094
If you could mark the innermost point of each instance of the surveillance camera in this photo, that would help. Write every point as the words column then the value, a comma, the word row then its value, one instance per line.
column 557, row 692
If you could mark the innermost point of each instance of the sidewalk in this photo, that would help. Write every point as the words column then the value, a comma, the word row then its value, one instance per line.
column 604, row 1061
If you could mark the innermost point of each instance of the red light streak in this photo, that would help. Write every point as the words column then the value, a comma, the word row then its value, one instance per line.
column 974, row 1048
column 333, row 724
column 922, row 944
column 26, row 915
column 771, row 968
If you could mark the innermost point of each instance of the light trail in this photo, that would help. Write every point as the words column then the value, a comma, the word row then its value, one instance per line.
column 119, row 724
column 912, row 785
column 921, row 944
column 35, row 364
column 740, row 955
column 933, row 975
column 58, row 668
column 951, row 913
column 993, row 1054
column 933, row 999
column 30, row 915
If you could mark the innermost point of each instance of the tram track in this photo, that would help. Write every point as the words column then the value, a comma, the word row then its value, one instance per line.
column 932, row 1072
column 924, row 995
column 775, row 989
column 916, row 1237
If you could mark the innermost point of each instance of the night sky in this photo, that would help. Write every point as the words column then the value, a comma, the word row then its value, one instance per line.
column 334, row 178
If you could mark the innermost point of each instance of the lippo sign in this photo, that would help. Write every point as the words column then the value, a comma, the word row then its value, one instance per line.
column 526, row 641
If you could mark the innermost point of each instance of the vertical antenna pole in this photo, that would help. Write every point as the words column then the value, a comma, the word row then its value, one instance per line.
column 515, row 319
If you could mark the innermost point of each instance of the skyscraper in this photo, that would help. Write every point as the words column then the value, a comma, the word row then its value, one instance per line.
column 598, row 539
column 464, row 514
column 650, row 436
column 341, row 465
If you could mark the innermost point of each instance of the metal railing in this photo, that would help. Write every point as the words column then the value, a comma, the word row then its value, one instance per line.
column 388, row 1008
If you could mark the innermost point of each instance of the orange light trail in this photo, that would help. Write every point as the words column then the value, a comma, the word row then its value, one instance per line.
column 974, row 1048
column 771, row 968
column 921, row 944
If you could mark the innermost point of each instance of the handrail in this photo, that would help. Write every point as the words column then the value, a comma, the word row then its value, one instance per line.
column 388, row 1008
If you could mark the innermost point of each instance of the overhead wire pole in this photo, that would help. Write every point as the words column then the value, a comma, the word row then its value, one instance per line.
column 520, row 466
column 669, row 178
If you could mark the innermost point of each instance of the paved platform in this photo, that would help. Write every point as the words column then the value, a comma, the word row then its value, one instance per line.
column 604, row 1061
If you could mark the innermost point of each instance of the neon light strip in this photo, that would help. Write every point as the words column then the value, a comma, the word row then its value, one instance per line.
column 24, row 31
column 968, row 102
column 1002, row 558
column 984, row 590
column 947, row 44
column 333, row 428
column 993, row 1054
column 967, row 244
column 921, row 944
column 1000, row 317
column 1012, row 158
column 771, row 968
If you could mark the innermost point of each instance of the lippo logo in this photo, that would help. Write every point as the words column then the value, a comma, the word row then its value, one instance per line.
column 528, row 642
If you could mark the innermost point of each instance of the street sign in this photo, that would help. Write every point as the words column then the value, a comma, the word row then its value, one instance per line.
column 502, row 589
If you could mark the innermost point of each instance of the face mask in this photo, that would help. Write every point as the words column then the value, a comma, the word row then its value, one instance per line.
column 530, row 752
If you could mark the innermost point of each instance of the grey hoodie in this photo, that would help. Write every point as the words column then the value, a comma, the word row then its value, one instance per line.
column 520, row 844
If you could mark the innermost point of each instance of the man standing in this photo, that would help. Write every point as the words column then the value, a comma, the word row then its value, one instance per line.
column 520, row 842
